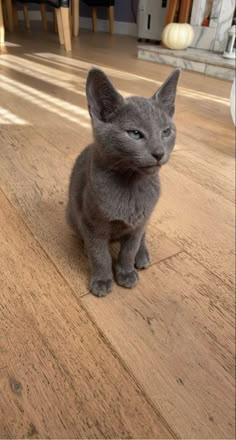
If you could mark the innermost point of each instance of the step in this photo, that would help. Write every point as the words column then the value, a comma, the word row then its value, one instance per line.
column 197, row 60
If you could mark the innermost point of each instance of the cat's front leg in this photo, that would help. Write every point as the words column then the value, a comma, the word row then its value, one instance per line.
column 100, row 264
column 126, row 275
column 142, row 259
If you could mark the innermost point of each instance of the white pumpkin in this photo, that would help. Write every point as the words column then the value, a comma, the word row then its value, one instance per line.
column 177, row 35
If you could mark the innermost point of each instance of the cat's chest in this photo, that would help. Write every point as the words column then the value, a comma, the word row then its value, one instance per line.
column 131, row 205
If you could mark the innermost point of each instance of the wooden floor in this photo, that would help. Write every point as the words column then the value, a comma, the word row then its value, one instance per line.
column 156, row 361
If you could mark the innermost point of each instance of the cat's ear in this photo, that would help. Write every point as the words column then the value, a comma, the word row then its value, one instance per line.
column 167, row 93
column 103, row 99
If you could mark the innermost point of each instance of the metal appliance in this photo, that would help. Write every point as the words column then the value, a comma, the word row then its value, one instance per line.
column 151, row 19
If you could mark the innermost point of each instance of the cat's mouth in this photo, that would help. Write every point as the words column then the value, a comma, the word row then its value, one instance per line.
column 151, row 169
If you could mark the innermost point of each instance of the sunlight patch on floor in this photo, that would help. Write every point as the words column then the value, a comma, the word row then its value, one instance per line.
column 62, row 108
column 86, row 66
column 9, row 44
column 188, row 93
column 43, row 73
column 9, row 118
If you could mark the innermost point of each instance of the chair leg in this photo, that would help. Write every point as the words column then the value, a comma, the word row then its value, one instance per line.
column 55, row 27
column 59, row 26
column 44, row 16
column 9, row 15
column 2, row 30
column 26, row 16
column 15, row 15
column 70, row 16
column 94, row 19
column 75, row 14
column 63, row 23
column 111, row 19
column 4, row 13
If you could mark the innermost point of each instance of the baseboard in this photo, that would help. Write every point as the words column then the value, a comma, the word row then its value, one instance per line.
column 120, row 27
column 34, row 16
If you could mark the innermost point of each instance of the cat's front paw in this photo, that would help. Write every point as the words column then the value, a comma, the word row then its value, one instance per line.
column 100, row 287
column 142, row 260
column 126, row 279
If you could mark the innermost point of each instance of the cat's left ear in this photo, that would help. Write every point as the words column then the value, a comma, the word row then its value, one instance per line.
column 167, row 93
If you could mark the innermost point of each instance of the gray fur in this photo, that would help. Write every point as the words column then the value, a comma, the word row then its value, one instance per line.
column 115, row 182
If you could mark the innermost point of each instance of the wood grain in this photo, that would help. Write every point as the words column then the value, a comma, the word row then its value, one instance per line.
column 59, row 379
column 175, row 331
column 207, row 174
column 199, row 221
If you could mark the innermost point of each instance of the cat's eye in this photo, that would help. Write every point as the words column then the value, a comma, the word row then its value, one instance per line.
column 166, row 132
column 135, row 134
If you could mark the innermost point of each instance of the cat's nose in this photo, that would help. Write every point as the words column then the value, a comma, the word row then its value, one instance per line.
column 158, row 156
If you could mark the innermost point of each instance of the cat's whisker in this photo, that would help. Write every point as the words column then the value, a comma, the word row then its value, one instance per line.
column 117, row 163
column 123, row 165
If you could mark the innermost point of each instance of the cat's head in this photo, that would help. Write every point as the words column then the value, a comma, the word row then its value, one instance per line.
column 136, row 133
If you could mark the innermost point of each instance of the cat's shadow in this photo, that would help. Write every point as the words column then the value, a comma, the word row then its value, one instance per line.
column 58, row 239
column 64, row 246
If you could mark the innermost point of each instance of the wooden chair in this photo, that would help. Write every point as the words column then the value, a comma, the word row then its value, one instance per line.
column 105, row 3
column 62, row 13
column 74, row 17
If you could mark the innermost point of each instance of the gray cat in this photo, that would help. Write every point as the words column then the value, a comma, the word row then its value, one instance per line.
column 115, row 181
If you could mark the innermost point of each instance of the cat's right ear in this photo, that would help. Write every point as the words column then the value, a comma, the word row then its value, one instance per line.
column 103, row 99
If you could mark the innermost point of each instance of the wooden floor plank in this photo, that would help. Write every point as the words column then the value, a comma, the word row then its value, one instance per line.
column 58, row 377
column 204, row 173
column 199, row 221
column 175, row 331
column 209, row 124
